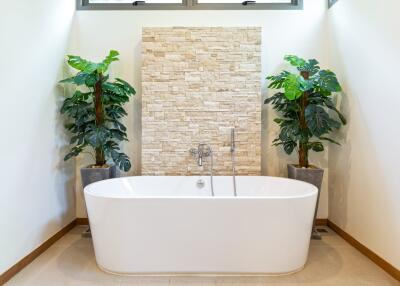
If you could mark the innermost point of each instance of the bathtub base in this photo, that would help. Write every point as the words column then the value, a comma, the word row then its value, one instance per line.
column 145, row 274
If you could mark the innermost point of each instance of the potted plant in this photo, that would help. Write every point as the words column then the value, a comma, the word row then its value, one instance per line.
column 307, row 114
column 93, row 114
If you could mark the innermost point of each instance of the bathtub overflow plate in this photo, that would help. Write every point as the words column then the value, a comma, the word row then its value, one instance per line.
column 200, row 183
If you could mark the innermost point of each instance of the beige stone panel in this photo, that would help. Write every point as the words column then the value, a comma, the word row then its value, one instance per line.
column 197, row 84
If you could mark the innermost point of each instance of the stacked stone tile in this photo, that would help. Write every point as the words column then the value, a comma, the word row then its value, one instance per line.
column 197, row 84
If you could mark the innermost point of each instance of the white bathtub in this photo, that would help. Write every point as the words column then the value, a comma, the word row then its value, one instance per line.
column 168, row 225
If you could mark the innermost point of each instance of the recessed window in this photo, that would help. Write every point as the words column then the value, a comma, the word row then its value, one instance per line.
column 130, row 2
column 189, row 4
column 247, row 4
column 331, row 2
column 240, row 1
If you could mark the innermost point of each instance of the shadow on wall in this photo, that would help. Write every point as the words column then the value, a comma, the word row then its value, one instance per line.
column 65, row 177
column 339, row 166
column 269, row 131
column 350, row 167
column 136, row 104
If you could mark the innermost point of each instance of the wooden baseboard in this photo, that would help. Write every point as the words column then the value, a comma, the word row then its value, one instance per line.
column 389, row 268
column 321, row 222
column 82, row 221
column 34, row 254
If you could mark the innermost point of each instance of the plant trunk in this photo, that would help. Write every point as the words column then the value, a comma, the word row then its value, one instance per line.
column 99, row 113
column 303, row 156
column 303, row 146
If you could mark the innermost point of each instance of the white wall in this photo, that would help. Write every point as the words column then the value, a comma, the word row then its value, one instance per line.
column 364, row 181
column 36, row 195
column 283, row 32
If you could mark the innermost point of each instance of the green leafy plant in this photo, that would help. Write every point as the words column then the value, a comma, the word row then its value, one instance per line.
column 95, row 109
column 303, row 102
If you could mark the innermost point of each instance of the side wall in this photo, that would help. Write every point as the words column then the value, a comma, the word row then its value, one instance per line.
column 364, row 182
column 299, row 32
column 36, row 197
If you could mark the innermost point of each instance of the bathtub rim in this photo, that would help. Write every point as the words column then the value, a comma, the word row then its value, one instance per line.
column 88, row 191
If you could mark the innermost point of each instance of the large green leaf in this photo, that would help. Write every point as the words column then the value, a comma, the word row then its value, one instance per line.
column 295, row 61
column 97, row 137
column 329, row 140
column 68, row 80
column 118, row 125
column 80, row 78
column 114, row 88
column 122, row 160
column 292, row 87
column 118, row 134
column 81, row 64
column 75, row 151
column 115, row 112
column 318, row 120
column 305, row 85
column 316, row 146
column 289, row 146
column 327, row 81
column 92, row 79
column 328, row 103
column 79, row 138
column 112, row 57
column 125, row 85
column 311, row 67
column 278, row 81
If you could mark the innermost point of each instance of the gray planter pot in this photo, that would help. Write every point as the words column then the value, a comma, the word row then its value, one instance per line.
column 91, row 175
column 313, row 176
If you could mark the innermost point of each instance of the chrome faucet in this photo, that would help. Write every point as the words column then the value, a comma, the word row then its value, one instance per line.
column 202, row 151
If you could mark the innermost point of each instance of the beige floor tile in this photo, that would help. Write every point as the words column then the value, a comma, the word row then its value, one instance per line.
column 256, row 281
column 71, row 261
column 144, row 281
column 192, row 281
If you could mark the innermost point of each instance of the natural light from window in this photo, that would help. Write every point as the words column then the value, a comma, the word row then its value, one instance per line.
column 240, row 1
column 178, row 1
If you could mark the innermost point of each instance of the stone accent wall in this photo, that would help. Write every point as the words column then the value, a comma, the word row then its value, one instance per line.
column 197, row 84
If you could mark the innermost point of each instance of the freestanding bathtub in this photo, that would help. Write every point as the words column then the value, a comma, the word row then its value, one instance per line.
column 172, row 225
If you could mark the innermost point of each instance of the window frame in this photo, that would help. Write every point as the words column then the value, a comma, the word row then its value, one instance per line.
column 85, row 5
column 189, row 5
column 331, row 3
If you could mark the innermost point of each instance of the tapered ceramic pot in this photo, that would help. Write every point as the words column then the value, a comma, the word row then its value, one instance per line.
column 91, row 174
column 314, row 176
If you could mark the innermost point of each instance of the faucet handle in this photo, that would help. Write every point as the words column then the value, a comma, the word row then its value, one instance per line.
column 193, row 152
column 204, row 149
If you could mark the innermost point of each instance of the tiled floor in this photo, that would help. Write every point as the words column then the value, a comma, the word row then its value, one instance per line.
column 71, row 262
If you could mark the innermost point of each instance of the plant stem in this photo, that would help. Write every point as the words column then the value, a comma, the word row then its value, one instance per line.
column 303, row 148
column 99, row 113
